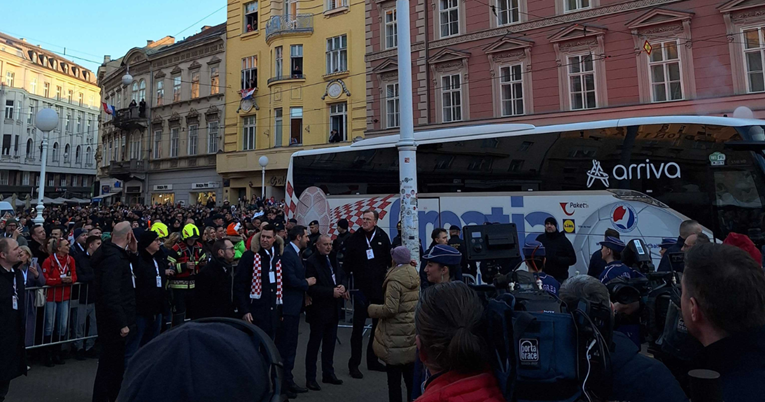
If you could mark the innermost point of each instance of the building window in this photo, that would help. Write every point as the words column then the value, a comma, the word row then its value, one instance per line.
column 134, row 92
column 451, row 96
column 214, row 81
column 290, row 9
column 79, row 123
column 6, row 144
column 335, row 4
column 25, row 178
column 51, row 181
column 80, row 98
column 296, row 125
column 251, row 17
column 142, row 91
column 58, row 92
column 193, row 139
column 69, row 95
column 88, row 156
column 87, row 125
column 33, row 86
column 4, row 174
column 160, row 91
column 174, row 141
column 195, row 85
column 212, row 137
column 9, row 109
column 278, row 126
column 90, row 101
column 296, row 61
column 391, row 106
column 32, row 111
column 54, row 154
column 30, row 148
column 574, row 5
column 391, row 29
column 511, row 90
column 157, row 149
column 248, row 133
column 249, row 72
column 664, row 66
column 135, row 146
column 68, row 124
column 78, row 155
column 46, row 89
column 10, row 78
column 338, row 119
column 177, row 88
column 508, row 12
column 581, row 77
column 278, row 61
column 337, row 54
column 450, row 18
column 754, row 51
column 67, row 155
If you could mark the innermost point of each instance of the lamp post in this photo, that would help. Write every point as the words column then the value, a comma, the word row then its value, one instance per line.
column 263, row 161
column 45, row 121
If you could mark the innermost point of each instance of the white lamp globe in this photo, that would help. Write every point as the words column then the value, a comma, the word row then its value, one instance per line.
column 46, row 120
column 127, row 79
column 743, row 112
column 263, row 161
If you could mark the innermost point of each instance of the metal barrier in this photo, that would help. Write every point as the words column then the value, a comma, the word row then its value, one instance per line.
column 55, row 315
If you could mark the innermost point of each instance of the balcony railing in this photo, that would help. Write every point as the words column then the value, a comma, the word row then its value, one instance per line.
column 130, row 117
column 287, row 24
column 286, row 77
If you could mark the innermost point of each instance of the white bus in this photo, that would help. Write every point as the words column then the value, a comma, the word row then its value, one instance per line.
column 640, row 176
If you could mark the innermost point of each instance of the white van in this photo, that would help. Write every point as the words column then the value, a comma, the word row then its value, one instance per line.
column 5, row 207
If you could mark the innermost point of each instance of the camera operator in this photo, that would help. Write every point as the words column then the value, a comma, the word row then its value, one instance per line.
column 635, row 377
column 723, row 305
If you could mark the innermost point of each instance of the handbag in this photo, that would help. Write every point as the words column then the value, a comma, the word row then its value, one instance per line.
column 40, row 298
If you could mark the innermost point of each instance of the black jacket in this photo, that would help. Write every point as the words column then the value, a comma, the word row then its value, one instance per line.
column 597, row 265
column 38, row 251
column 664, row 265
column 639, row 378
column 86, row 277
column 740, row 360
column 243, row 285
column 338, row 245
column 150, row 300
column 115, row 295
column 214, row 290
column 13, row 362
column 368, row 275
column 325, row 308
column 295, row 284
column 559, row 253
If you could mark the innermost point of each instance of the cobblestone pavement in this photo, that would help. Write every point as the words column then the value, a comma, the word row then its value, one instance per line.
column 73, row 382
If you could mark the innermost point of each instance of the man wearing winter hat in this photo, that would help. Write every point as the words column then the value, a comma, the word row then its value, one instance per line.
column 558, row 250
column 78, row 246
column 611, row 249
column 338, row 245
column 12, row 232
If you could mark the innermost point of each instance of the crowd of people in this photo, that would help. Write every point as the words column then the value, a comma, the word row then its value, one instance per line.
column 143, row 271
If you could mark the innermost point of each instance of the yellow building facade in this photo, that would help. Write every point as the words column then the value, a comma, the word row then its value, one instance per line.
column 296, row 80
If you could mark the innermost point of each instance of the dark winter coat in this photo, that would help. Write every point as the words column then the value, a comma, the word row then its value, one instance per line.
column 150, row 300
column 13, row 362
column 295, row 283
column 597, row 265
column 115, row 295
column 325, row 308
column 265, row 312
column 214, row 290
column 86, row 276
column 740, row 360
column 368, row 275
column 559, row 253
column 664, row 264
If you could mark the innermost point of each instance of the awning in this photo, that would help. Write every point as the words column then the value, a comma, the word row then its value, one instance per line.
column 57, row 201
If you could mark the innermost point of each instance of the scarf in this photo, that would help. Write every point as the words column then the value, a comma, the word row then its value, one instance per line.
column 256, row 289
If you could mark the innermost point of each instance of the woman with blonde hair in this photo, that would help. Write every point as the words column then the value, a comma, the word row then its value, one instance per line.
column 33, row 278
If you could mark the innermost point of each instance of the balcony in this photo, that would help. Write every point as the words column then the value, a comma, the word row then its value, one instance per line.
column 287, row 25
column 126, row 170
column 130, row 118
column 293, row 77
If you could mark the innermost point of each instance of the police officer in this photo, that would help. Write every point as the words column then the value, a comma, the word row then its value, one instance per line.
column 534, row 258
column 597, row 264
column 611, row 251
column 666, row 243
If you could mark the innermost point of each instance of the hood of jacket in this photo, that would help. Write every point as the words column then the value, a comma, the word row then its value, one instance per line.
column 408, row 278
column 255, row 244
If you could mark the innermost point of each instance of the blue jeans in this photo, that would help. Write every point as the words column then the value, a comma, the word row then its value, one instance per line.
column 58, row 313
column 147, row 328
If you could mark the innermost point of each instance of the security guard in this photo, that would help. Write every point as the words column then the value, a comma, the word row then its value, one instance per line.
column 534, row 258
column 189, row 258
column 611, row 250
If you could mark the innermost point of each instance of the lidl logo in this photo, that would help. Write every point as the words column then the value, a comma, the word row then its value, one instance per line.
column 569, row 226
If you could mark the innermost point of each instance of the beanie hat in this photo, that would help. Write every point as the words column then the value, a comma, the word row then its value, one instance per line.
column 146, row 239
column 745, row 243
column 78, row 232
column 342, row 223
column 210, row 362
column 233, row 229
column 551, row 220
column 401, row 255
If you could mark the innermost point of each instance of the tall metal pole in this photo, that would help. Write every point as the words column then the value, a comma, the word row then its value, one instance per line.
column 263, row 183
column 41, row 189
column 407, row 148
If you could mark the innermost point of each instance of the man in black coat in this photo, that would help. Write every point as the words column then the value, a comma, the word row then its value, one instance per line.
column 214, row 286
column 367, row 258
column 259, row 298
column 115, row 308
column 87, row 307
column 343, row 234
column 12, row 315
column 323, row 314
column 560, row 253
column 295, row 286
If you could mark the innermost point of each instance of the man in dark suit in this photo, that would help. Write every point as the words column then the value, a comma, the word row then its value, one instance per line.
column 323, row 314
column 295, row 286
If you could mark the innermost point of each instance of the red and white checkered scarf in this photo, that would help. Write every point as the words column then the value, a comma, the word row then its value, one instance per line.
column 256, row 289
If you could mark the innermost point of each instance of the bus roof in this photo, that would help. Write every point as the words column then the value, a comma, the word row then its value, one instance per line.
column 510, row 130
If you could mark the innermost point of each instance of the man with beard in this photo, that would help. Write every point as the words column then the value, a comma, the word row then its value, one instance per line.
column 215, row 283
column 558, row 250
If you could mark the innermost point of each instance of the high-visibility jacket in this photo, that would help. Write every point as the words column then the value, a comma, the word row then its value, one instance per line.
column 184, row 277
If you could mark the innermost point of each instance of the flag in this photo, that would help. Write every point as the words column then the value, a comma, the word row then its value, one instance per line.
column 109, row 109
column 247, row 93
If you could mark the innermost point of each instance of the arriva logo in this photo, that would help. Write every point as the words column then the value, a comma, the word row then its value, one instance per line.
column 645, row 170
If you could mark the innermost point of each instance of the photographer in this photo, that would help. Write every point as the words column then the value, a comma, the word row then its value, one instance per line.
column 723, row 305
column 635, row 377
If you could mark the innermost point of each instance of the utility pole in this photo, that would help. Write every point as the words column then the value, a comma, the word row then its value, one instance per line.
column 407, row 148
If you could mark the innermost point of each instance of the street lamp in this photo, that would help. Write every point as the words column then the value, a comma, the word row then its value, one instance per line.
column 263, row 161
column 45, row 121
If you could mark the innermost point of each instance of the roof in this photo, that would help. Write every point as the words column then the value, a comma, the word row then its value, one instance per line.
column 216, row 30
column 23, row 45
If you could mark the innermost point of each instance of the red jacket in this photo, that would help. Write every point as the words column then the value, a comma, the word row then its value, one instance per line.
column 745, row 243
column 456, row 387
column 53, row 273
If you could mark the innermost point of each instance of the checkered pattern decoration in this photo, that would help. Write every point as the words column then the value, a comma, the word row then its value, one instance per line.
column 256, row 289
column 352, row 212
column 291, row 207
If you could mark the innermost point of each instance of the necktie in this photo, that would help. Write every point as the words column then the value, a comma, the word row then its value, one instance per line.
column 332, row 271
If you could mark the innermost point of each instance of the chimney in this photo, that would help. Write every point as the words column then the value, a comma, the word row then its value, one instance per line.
column 107, row 59
column 23, row 40
column 206, row 27
column 149, row 42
